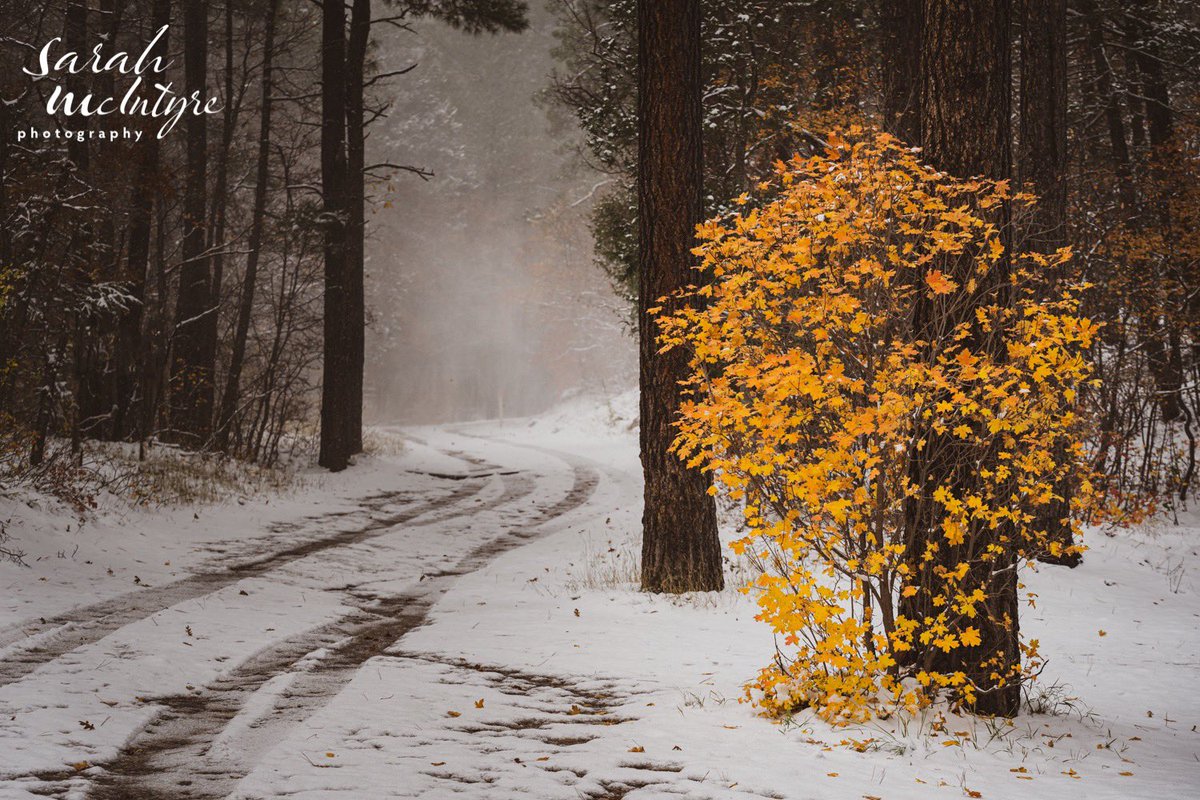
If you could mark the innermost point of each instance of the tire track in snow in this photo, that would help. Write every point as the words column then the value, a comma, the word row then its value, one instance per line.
column 88, row 624
column 175, row 758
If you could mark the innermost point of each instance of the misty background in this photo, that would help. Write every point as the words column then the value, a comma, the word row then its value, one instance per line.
column 483, row 296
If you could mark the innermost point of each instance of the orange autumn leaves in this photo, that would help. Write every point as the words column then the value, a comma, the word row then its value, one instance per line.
column 938, row 283
column 824, row 356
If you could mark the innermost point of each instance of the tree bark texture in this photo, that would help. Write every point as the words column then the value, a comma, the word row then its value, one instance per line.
column 356, row 149
column 680, row 548
column 966, row 75
column 335, row 447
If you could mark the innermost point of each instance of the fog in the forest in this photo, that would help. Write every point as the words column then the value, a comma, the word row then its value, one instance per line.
column 482, row 290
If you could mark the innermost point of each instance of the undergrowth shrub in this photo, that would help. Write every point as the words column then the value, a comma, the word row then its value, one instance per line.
column 830, row 348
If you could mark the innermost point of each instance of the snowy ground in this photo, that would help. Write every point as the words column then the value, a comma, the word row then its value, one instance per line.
column 458, row 620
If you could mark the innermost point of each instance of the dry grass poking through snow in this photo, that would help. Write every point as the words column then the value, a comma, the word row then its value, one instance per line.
column 169, row 477
column 616, row 565
column 383, row 442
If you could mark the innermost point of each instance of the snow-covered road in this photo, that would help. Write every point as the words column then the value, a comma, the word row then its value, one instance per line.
column 458, row 620
column 175, row 689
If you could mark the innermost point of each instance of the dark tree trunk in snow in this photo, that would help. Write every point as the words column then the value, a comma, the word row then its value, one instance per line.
column 336, row 397
column 680, row 549
column 966, row 74
column 194, row 345
column 356, row 320
column 1042, row 165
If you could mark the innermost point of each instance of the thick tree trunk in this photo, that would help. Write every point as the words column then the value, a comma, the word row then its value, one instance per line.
column 356, row 320
column 680, row 548
column 194, row 349
column 335, row 393
column 1042, row 166
column 237, row 357
column 966, row 74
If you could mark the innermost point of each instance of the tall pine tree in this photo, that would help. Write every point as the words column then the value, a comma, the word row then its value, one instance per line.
column 680, row 549
column 966, row 99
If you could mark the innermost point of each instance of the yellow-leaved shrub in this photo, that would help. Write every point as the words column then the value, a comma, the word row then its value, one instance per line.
column 815, row 389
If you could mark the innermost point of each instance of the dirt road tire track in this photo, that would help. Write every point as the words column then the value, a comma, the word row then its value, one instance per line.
column 88, row 624
column 169, row 759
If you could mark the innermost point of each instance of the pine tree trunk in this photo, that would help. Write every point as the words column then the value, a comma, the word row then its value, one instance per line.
column 966, row 75
column 335, row 394
column 356, row 321
column 680, row 548
column 194, row 352
column 1042, row 165
column 237, row 357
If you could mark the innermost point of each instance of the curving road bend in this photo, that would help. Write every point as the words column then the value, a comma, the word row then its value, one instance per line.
column 280, row 629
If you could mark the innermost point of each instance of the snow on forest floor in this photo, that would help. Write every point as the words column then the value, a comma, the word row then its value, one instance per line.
column 460, row 620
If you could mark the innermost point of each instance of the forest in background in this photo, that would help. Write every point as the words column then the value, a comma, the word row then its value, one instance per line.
column 191, row 289
column 486, row 302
